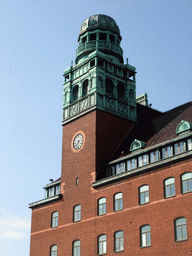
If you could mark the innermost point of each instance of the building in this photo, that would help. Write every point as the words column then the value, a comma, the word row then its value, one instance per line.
column 126, row 177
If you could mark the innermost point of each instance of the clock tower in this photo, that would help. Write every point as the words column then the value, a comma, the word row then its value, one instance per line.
column 99, row 102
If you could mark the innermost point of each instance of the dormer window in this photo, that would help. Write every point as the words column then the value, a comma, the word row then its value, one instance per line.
column 136, row 145
column 52, row 190
column 183, row 127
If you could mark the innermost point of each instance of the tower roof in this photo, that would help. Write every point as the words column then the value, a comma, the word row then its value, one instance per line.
column 99, row 21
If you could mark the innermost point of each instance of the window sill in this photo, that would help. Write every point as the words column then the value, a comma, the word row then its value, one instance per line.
column 178, row 241
column 147, row 246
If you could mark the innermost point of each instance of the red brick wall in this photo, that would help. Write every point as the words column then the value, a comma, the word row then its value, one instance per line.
column 159, row 213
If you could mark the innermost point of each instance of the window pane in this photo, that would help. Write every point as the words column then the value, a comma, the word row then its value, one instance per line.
column 185, row 186
column 178, row 233
column 118, row 196
column 173, row 190
column 142, row 198
column 145, row 228
column 184, row 232
column 167, row 191
column 169, row 181
column 187, row 176
column 190, row 184
column 144, row 188
column 144, row 241
column 146, row 197
column 180, row 221
column 148, row 239
column 189, row 144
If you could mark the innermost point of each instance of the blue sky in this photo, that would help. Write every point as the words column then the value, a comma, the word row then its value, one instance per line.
column 38, row 42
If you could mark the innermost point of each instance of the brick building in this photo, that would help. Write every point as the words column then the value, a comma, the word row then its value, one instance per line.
column 126, row 177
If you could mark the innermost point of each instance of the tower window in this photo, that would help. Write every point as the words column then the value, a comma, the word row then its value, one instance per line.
column 92, row 37
column 100, row 82
column 66, row 78
column 121, row 91
column 54, row 219
column 112, row 38
column 84, row 39
column 92, row 63
column 100, row 62
column 109, row 86
column 119, row 241
column 85, row 87
column 77, row 213
column 180, row 229
column 145, row 233
column 102, row 36
column 75, row 92
column 131, row 94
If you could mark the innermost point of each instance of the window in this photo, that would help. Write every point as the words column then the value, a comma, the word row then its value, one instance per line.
column 53, row 251
column 84, row 39
column 119, row 241
column 145, row 232
column 57, row 189
column 169, row 187
column 120, row 168
column 180, row 229
column 189, row 144
column 77, row 213
column 100, row 82
column 143, row 160
column 51, row 191
column 144, row 194
column 131, row 164
column 54, row 219
column 92, row 63
column 92, row 82
column 186, row 182
column 166, row 152
column 131, row 94
column 154, row 156
column 118, row 201
column 179, row 147
column 75, row 92
column 109, row 86
column 102, row 36
column 112, row 38
column 100, row 62
column 121, row 91
column 85, row 87
column 92, row 37
column 110, row 171
column 76, row 248
column 102, row 244
column 102, row 206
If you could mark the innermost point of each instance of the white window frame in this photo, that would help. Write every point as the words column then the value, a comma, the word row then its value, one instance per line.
column 144, row 193
column 118, row 201
column 77, row 213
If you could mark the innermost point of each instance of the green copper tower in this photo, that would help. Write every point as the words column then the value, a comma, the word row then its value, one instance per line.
column 99, row 79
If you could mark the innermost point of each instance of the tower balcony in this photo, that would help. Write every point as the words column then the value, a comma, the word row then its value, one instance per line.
column 103, row 46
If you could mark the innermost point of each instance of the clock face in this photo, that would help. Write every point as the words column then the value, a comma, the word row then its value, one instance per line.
column 78, row 141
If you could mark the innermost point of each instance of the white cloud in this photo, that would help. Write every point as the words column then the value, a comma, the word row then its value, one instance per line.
column 12, row 226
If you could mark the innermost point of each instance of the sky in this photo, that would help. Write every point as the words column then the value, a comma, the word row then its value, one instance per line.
column 38, row 40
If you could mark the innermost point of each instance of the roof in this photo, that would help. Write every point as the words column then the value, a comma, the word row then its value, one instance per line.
column 154, row 127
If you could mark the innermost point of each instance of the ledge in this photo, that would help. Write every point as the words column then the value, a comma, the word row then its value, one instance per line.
column 145, row 168
column 45, row 201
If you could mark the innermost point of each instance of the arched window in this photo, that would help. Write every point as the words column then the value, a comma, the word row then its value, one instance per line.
column 119, row 241
column 54, row 219
column 109, row 86
column 180, row 229
column 169, row 187
column 102, row 244
column 85, row 87
column 76, row 248
column 121, row 91
column 131, row 94
column 53, row 250
column 102, row 206
column 144, row 194
column 66, row 96
column 145, row 233
column 92, row 82
column 75, row 92
column 186, row 180
column 77, row 213
column 118, row 201
column 100, row 82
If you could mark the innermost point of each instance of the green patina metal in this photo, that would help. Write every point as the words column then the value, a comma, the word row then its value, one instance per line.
column 183, row 127
column 136, row 145
column 99, row 79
